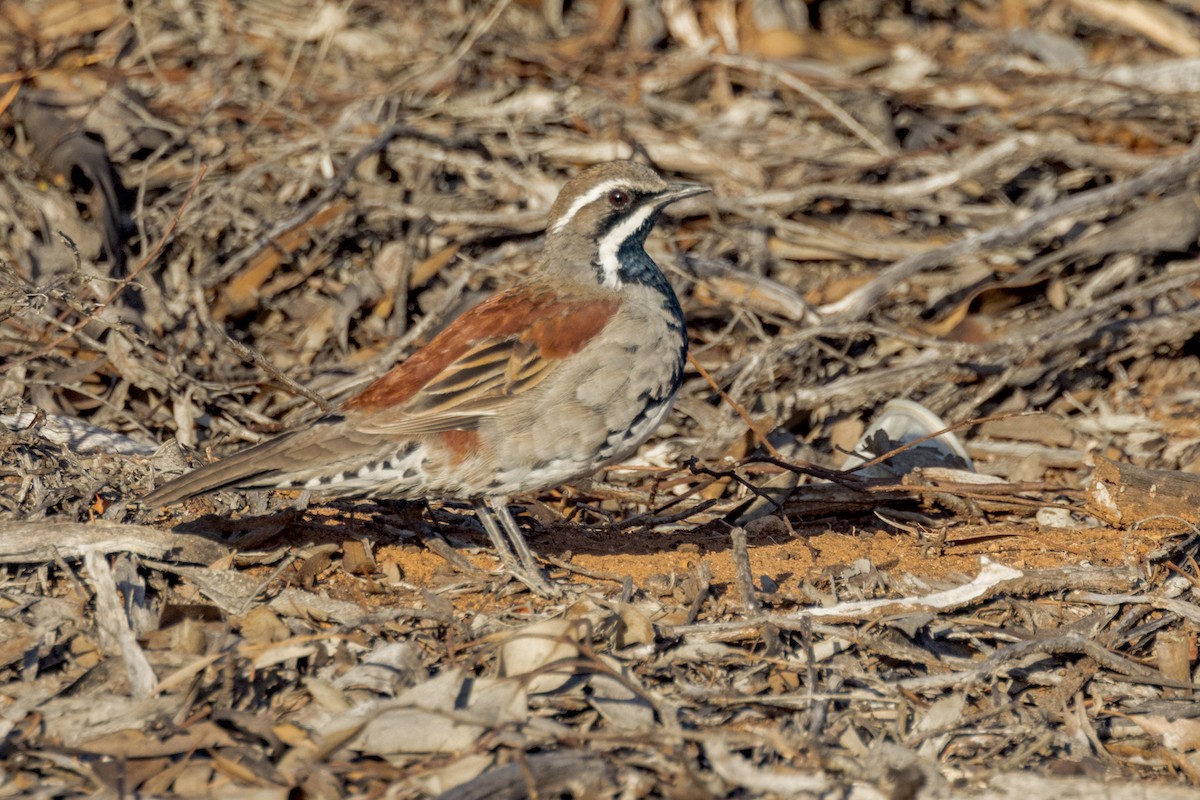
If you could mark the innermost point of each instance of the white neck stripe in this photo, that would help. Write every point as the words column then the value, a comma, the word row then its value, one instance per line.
column 610, row 264
column 591, row 195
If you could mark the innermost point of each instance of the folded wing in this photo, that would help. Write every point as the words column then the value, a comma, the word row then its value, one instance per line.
column 503, row 347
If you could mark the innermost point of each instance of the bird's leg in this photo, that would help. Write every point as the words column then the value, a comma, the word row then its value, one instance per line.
column 514, row 533
column 493, row 531
column 527, row 568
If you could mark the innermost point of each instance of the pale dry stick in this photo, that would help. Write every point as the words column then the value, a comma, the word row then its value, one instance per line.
column 992, row 580
column 792, row 82
column 1155, row 21
column 818, row 707
column 116, row 636
column 120, row 285
column 970, row 491
column 745, row 583
column 435, row 542
column 595, row 575
column 703, row 573
column 474, row 223
column 859, row 303
column 745, row 576
column 982, row 161
column 759, row 433
column 830, row 240
column 653, row 519
column 247, row 353
column 556, row 773
column 1032, row 147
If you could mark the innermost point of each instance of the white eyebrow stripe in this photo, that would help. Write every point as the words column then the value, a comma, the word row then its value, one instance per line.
column 610, row 244
column 593, row 194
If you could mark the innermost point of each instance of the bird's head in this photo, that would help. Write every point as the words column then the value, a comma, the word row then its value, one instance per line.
column 602, row 216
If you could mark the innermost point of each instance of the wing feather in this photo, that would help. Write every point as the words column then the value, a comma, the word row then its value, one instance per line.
column 501, row 348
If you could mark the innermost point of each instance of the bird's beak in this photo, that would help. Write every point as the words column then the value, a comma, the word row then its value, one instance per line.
column 678, row 191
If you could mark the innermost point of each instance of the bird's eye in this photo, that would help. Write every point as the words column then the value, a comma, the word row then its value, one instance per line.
column 618, row 198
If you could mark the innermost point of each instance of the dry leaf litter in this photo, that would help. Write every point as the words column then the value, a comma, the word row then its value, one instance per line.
column 216, row 218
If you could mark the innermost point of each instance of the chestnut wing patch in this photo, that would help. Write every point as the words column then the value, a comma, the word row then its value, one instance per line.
column 503, row 347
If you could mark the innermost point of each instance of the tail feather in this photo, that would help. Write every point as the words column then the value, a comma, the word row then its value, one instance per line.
column 286, row 460
column 251, row 468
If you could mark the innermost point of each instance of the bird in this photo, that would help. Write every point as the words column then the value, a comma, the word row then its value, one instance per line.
column 567, row 371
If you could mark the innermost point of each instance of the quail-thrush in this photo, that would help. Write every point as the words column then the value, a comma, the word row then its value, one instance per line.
column 550, row 380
